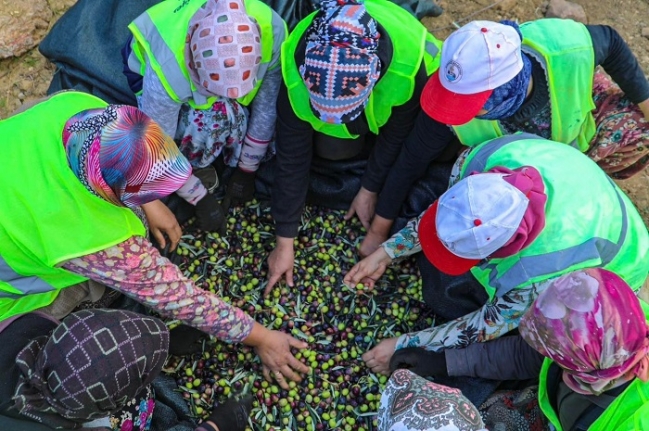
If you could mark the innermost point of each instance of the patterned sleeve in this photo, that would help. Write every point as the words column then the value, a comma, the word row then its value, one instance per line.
column 135, row 268
column 263, row 112
column 156, row 103
column 494, row 319
column 406, row 241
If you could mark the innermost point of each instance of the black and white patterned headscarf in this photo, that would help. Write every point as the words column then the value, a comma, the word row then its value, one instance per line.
column 412, row 403
column 92, row 364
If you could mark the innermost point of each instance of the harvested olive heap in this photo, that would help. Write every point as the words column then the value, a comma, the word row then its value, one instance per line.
column 339, row 323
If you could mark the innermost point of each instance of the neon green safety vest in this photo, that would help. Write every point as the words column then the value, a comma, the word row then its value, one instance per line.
column 629, row 411
column 46, row 215
column 589, row 221
column 411, row 42
column 159, row 38
column 565, row 50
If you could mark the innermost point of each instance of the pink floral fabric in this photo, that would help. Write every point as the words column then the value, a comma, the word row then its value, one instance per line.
column 135, row 268
column 206, row 133
column 621, row 145
column 592, row 325
column 137, row 414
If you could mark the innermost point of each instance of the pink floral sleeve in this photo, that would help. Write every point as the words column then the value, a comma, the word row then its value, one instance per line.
column 135, row 268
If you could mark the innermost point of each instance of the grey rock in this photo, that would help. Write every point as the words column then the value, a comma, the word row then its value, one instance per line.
column 22, row 25
column 566, row 9
column 645, row 32
column 507, row 5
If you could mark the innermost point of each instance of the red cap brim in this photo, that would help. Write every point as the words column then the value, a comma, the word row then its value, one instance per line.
column 435, row 251
column 450, row 108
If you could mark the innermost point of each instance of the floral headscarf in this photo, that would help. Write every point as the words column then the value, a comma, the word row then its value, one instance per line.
column 123, row 156
column 592, row 325
column 412, row 403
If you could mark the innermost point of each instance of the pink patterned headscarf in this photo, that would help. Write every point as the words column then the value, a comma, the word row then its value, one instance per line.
column 123, row 156
column 223, row 49
column 528, row 180
column 592, row 325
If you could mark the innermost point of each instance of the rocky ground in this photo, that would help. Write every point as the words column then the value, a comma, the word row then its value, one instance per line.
column 25, row 74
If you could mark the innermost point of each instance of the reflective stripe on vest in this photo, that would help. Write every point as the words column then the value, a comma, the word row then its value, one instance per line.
column 412, row 44
column 23, row 285
column 619, row 244
column 39, row 231
column 568, row 47
column 529, row 267
column 165, row 52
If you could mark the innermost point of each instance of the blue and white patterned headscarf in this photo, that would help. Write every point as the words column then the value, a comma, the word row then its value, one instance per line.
column 341, row 65
column 509, row 97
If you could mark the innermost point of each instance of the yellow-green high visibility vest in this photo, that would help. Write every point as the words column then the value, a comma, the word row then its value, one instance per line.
column 565, row 50
column 589, row 221
column 411, row 42
column 629, row 411
column 46, row 215
column 159, row 39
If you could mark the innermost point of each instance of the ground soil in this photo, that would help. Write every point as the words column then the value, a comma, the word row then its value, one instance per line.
column 27, row 77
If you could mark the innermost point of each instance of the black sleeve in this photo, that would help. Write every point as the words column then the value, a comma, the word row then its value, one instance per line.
column 10, row 423
column 427, row 140
column 505, row 358
column 392, row 136
column 13, row 339
column 294, row 148
column 615, row 56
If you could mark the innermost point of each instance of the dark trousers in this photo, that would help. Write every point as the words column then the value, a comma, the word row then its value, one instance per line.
column 450, row 296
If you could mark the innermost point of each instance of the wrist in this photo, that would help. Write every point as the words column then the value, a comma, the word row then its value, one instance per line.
column 380, row 226
column 284, row 243
column 382, row 256
column 644, row 107
column 365, row 191
column 257, row 336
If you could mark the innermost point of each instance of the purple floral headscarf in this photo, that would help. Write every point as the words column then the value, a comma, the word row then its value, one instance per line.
column 591, row 324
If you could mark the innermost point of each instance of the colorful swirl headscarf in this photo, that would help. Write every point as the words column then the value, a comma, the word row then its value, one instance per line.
column 341, row 65
column 123, row 156
column 591, row 324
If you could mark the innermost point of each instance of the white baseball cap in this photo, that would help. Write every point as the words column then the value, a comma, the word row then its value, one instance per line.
column 470, row 221
column 476, row 59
